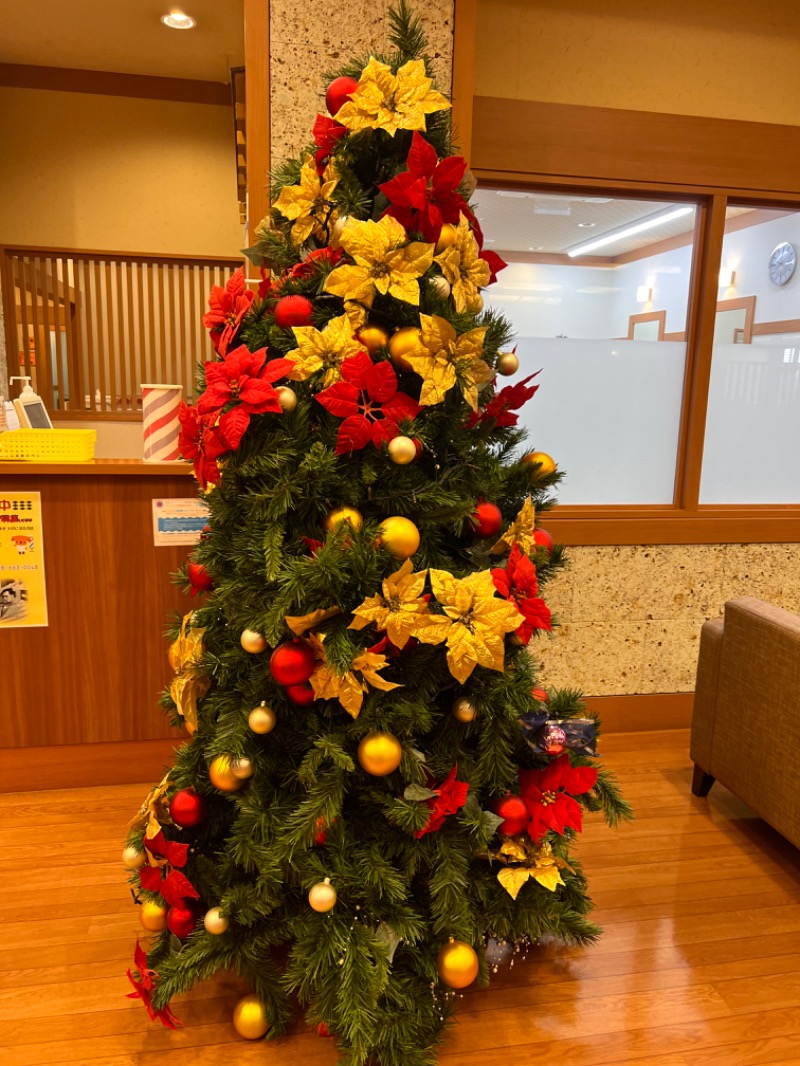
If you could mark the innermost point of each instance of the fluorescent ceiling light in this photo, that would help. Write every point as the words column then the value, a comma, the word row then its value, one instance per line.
column 177, row 20
column 622, row 232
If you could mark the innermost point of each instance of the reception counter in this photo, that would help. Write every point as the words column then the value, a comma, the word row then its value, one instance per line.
column 79, row 698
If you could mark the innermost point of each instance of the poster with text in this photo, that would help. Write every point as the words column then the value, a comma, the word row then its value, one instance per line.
column 23, row 594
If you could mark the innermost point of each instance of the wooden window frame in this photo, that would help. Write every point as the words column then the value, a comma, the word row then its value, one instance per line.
column 560, row 148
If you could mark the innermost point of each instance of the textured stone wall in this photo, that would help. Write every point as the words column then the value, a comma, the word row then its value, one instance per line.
column 631, row 616
column 306, row 40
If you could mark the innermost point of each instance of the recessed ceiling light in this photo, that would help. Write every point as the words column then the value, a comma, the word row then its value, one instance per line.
column 587, row 225
column 177, row 20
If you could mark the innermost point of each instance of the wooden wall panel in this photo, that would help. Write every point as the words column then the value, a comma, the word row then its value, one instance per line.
column 568, row 140
column 95, row 674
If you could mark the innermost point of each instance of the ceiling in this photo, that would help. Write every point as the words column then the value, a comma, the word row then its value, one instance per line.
column 126, row 37
column 537, row 222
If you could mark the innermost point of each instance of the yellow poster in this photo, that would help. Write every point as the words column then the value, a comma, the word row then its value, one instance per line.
column 23, row 595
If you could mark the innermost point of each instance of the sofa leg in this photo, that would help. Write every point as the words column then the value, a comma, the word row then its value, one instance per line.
column 701, row 782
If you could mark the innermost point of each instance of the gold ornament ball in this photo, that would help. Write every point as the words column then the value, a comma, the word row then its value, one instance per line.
column 476, row 303
column 441, row 286
column 447, row 237
column 287, row 398
column 400, row 536
column 133, row 858
column 402, row 450
column 322, row 896
column 222, row 776
column 380, row 753
column 457, row 964
column 547, row 462
column 250, row 1017
column 403, row 343
column 373, row 338
column 344, row 514
column 153, row 916
column 242, row 768
column 252, row 641
column 215, row 921
column 507, row 363
column 463, row 710
column 262, row 719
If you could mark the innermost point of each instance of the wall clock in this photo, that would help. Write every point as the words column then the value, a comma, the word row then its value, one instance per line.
column 782, row 263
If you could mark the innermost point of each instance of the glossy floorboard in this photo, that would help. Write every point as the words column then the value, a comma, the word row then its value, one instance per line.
column 700, row 961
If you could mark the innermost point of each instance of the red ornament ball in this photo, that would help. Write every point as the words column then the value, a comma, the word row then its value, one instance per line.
column 199, row 577
column 515, row 814
column 543, row 539
column 187, row 809
column 293, row 311
column 292, row 664
column 320, row 832
column 181, row 921
column 322, row 1030
column 339, row 92
column 487, row 520
column 301, row 695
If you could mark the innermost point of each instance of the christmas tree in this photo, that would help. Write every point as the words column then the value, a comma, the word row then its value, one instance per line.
column 375, row 790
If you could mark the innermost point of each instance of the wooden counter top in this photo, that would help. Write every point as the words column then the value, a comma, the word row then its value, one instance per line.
column 118, row 467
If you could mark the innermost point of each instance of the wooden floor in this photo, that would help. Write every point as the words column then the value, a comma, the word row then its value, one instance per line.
column 699, row 964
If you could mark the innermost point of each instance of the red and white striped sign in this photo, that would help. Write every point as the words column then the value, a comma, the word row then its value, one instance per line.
column 160, row 406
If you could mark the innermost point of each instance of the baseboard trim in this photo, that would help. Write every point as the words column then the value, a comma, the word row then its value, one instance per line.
column 78, row 765
column 633, row 714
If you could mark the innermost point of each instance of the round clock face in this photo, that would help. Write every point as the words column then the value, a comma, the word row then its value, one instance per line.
column 782, row 263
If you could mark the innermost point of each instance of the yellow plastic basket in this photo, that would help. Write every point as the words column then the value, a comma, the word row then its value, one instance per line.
column 48, row 445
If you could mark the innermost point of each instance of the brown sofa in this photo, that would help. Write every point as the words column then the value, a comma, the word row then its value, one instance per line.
column 746, row 720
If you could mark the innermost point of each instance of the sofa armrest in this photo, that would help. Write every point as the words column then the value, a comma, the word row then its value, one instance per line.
column 705, row 693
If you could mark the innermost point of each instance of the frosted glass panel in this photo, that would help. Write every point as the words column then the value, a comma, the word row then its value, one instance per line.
column 609, row 411
column 752, row 447
column 583, row 273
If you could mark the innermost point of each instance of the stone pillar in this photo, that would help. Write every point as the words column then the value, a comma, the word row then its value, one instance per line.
column 307, row 40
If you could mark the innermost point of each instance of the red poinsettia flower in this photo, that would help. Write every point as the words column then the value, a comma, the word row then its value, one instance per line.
column 548, row 795
column 501, row 407
column 244, row 377
column 171, row 850
column 519, row 584
column 313, row 545
column 326, row 134
column 451, row 795
column 368, row 401
column 143, row 989
column 424, row 196
column 226, row 309
column 328, row 256
column 204, row 439
column 267, row 286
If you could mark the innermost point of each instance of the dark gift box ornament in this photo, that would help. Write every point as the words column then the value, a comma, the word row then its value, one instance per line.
column 552, row 736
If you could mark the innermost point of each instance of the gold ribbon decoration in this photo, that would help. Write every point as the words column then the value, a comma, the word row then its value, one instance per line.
column 189, row 684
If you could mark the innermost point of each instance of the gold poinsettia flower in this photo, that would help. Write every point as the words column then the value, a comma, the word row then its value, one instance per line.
column 308, row 205
column 324, row 349
column 465, row 270
column 402, row 610
column 519, row 532
column 441, row 358
column 541, row 865
column 347, row 688
column 154, row 807
column 479, row 621
column 391, row 102
column 384, row 263
column 189, row 684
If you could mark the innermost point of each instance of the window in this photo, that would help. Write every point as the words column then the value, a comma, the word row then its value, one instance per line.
column 752, row 436
column 597, row 290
